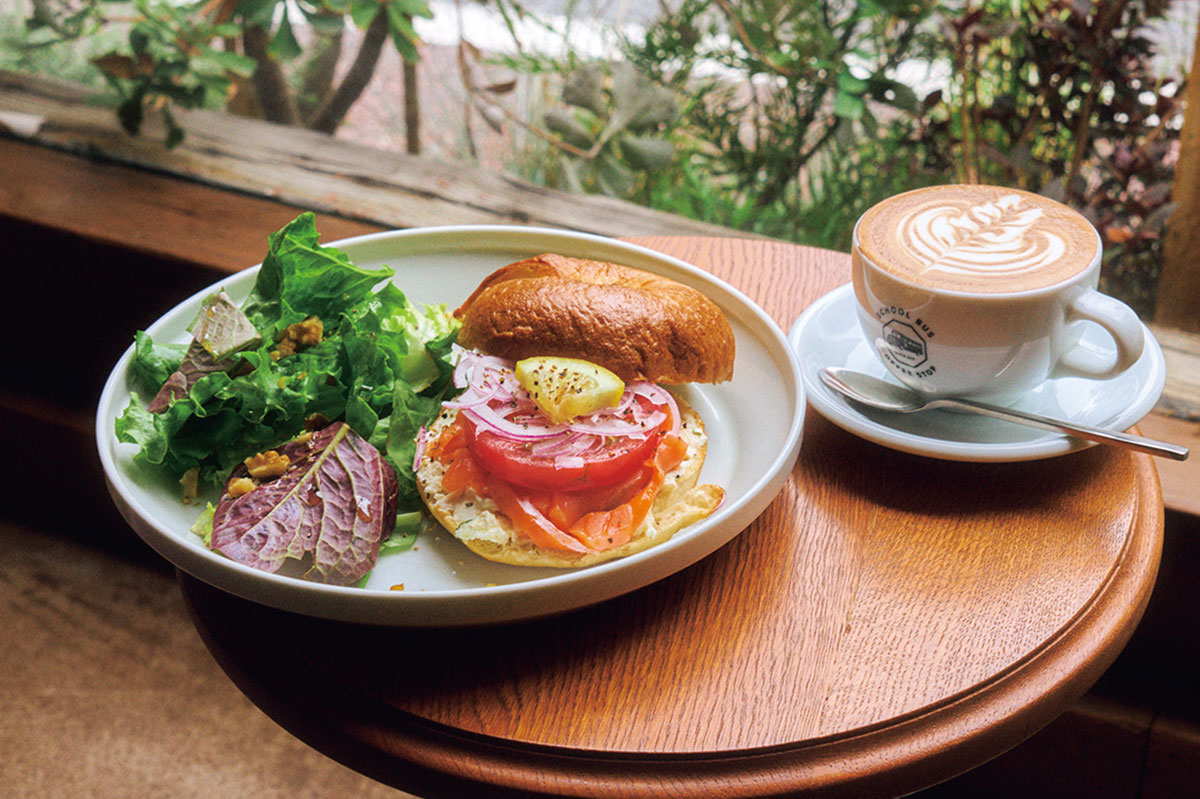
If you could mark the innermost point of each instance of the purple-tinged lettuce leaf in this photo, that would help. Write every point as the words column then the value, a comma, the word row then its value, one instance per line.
column 197, row 363
column 220, row 331
column 328, row 512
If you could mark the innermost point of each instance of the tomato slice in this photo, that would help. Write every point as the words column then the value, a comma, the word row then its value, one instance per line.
column 515, row 461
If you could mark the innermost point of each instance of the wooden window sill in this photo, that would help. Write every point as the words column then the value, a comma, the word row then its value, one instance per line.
column 210, row 203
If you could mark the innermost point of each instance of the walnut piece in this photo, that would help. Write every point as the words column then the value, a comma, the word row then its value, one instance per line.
column 299, row 336
column 240, row 486
column 267, row 465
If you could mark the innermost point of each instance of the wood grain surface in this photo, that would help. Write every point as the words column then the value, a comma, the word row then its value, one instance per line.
column 320, row 172
column 888, row 622
column 146, row 211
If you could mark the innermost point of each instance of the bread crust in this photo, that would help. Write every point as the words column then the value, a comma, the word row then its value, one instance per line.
column 639, row 325
column 681, row 502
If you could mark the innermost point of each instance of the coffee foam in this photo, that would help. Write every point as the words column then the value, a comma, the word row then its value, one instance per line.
column 977, row 238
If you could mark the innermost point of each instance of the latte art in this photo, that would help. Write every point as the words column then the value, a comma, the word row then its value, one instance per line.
column 977, row 238
column 998, row 237
column 977, row 291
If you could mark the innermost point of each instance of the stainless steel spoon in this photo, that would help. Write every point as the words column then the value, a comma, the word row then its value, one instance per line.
column 890, row 397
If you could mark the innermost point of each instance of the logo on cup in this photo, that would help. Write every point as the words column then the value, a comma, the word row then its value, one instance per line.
column 905, row 343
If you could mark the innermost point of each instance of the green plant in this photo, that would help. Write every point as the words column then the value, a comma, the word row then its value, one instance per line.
column 1061, row 97
column 796, row 123
column 792, row 108
column 609, row 132
column 24, row 50
column 608, row 128
column 235, row 53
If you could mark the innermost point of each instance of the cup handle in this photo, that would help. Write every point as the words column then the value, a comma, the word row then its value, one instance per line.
column 1121, row 323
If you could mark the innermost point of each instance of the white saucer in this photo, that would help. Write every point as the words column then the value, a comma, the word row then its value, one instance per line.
column 827, row 334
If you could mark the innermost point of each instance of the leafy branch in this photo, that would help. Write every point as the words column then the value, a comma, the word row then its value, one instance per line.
column 243, row 54
column 610, row 132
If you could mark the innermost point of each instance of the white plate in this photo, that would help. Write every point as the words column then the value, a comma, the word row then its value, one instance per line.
column 754, row 424
column 827, row 334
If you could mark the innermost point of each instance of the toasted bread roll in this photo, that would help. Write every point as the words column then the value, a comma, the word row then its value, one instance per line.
column 638, row 325
column 479, row 524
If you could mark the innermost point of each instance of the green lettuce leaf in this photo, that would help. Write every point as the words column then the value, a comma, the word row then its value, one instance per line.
column 382, row 367
column 410, row 412
column 408, row 527
column 203, row 526
column 300, row 278
column 153, row 363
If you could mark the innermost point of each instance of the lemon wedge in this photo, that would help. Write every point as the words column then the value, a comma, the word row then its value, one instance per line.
column 568, row 387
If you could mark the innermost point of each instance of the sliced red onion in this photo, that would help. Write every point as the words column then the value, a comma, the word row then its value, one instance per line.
column 638, row 424
column 567, row 444
column 420, row 447
column 660, row 396
column 468, row 399
column 486, row 417
column 470, row 361
column 495, row 401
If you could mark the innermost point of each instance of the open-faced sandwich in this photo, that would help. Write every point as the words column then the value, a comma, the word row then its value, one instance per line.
column 564, row 449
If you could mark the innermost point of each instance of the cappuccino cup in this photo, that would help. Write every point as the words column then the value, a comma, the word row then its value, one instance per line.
column 984, row 292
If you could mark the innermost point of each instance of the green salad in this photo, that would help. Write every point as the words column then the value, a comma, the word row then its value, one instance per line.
column 319, row 342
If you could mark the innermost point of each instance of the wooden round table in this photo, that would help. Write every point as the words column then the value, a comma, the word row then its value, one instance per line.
column 858, row 639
